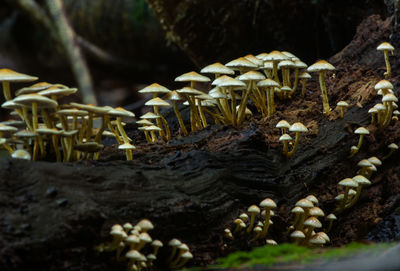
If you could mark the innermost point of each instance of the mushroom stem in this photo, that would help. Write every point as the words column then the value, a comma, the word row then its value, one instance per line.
column 180, row 120
column 343, row 201
column 266, row 222
column 275, row 72
column 342, row 112
column 329, row 226
column 303, row 87
column 388, row 115
column 355, row 197
column 388, row 72
column 295, row 145
column 233, row 107
column 360, row 141
column 6, row 90
column 388, row 155
column 252, row 218
column 324, row 95
column 296, row 80
column 201, row 113
column 242, row 106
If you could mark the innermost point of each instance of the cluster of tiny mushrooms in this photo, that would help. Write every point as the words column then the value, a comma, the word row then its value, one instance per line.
column 129, row 243
column 261, row 79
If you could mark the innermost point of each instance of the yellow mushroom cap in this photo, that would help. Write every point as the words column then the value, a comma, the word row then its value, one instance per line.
column 393, row 146
column 33, row 89
column 192, row 77
column 268, row 203
column 154, row 88
column 298, row 127
column 126, row 146
column 304, row 75
column 21, row 154
column 240, row 62
column 375, row 161
column 361, row 131
column 157, row 243
column 190, row 91
column 145, row 237
column 304, row 203
column 383, row 84
column 254, row 60
column 42, row 101
column 156, row 102
column 364, row 163
column 283, row 124
column 317, row 240
column 6, row 128
column 226, row 81
column 285, row 137
column 174, row 242
column 286, row 64
column 8, row 75
column 342, row 104
column 299, row 64
column 321, row 65
column 348, row 182
column 57, row 91
column 316, row 211
column 389, row 98
column 290, row 55
column 313, row 222
column 385, row 46
column 361, row 180
column 251, row 76
column 275, row 56
column 267, row 83
column 152, row 128
column 187, row 255
column 324, row 235
column 150, row 115
column 297, row 210
column 134, row 254
column 253, row 209
column 217, row 68
column 261, row 55
column 297, row 234
column 331, row 217
column 244, row 216
column 312, row 198
column 271, row 242
column 145, row 225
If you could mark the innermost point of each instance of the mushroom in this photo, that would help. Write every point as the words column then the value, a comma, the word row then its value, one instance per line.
column 298, row 211
column 145, row 225
column 275, row 57
column 362, row 132
column 313, row 199
column 185, row 257
column 174, row 243
column 269, row 85
column 285, row 138
column 253, row 210
column 321, row 67
column 297, row 66
column 283, row 125
column 386, row 47
column 311, row 223
column 267, row 204
column 373, row 111
column 361, row 181
column 303, row 80
column 241, row 64
column 342, row 106
column 257, row 233
column 347, row 183
column 317, row 240
column 330, row 217
column 388, row 101
column 306, row 205
column 393, row 147
column 251, row 78
column 182, row 249
column 156, row 103
column 217, row 69
column 175, row 97
column 298, row 128
column 297, row 236
column 21, row 154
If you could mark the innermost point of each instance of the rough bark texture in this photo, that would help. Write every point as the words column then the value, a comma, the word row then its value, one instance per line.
column 193, row 187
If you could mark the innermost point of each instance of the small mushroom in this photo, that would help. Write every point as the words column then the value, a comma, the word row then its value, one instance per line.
column 331, row 218
column 386, row 48
column 342, row 106
column 283, row 125
column 253, row 210
column 297, row 236
column 362, row 132
column 298, row 128
column 347, row 183
column 362, row 182
column 393, row 147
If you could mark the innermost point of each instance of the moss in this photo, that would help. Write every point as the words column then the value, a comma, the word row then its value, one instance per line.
column 270, row 255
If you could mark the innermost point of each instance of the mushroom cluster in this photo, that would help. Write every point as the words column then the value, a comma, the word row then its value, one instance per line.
column 247, row 224
column 298, row 128
column 135, row 245
column 42, row 126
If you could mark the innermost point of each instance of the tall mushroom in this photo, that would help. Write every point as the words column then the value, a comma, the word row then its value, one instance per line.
column 298, row 128
column 386, row 47
column 321, row 67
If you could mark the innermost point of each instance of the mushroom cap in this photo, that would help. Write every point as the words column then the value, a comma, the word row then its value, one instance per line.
column 134, row 254
column 383, row 84
column 157, row 243
column 72, row 112
column 217, row 68
column 120, row 112
column 361, row 180
column 144, row 122
column 321, row 65
column 48, row 131
column 145, row 224
column 25, row 133
column 275, row 56
column 385, row 46
column 393, row 146
column 86, row 146
column 373, row 168
column 29, row 99
column 297, row 210
column 342, row 104
column 253, row 209
column 324, row 235
column 226, row 81
column 183, row 247
column 286, row 88
column 100, row 110
column 331, row 217
column 57, row 91
column 192, row 77
column 304, row 203
column 348, row 182
column 267, row 83
column 313, row 222
column 189, row 91
column 6, row 128
column 372, row 110
column 271, row 242
column 312, row 198
column 244, row 216
column 297, row 234
column 364, row 163
column 375, row 161
column 15, row 123
column 268, row 203
column 150, row 115
column 352, row 192
column 252, row 76
column 298, row 127
column 125, row 146
column 290, row 55
column 361, row 131
column 317, row 240
column 173, row 96
column 254, row 60
column 268, row 65
column 285, row 137
column 316, row 211
column 117, row 232
column 152, row 128
column 304, row 75
column 145, row 237
column 257, row 229
column 7, row 75
column 217, row 93
column 389, row 98
column 151, row 257
column 21, row 154
column 299, row 64
column 154, row 88
column 240, row 62
column 156, row 102
column 286, row 64
column 187, row 255
column 127, row 226
column 174, row 242
column 261, row 55
column 33, row 89
column 132, row 239
column 283, row 124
